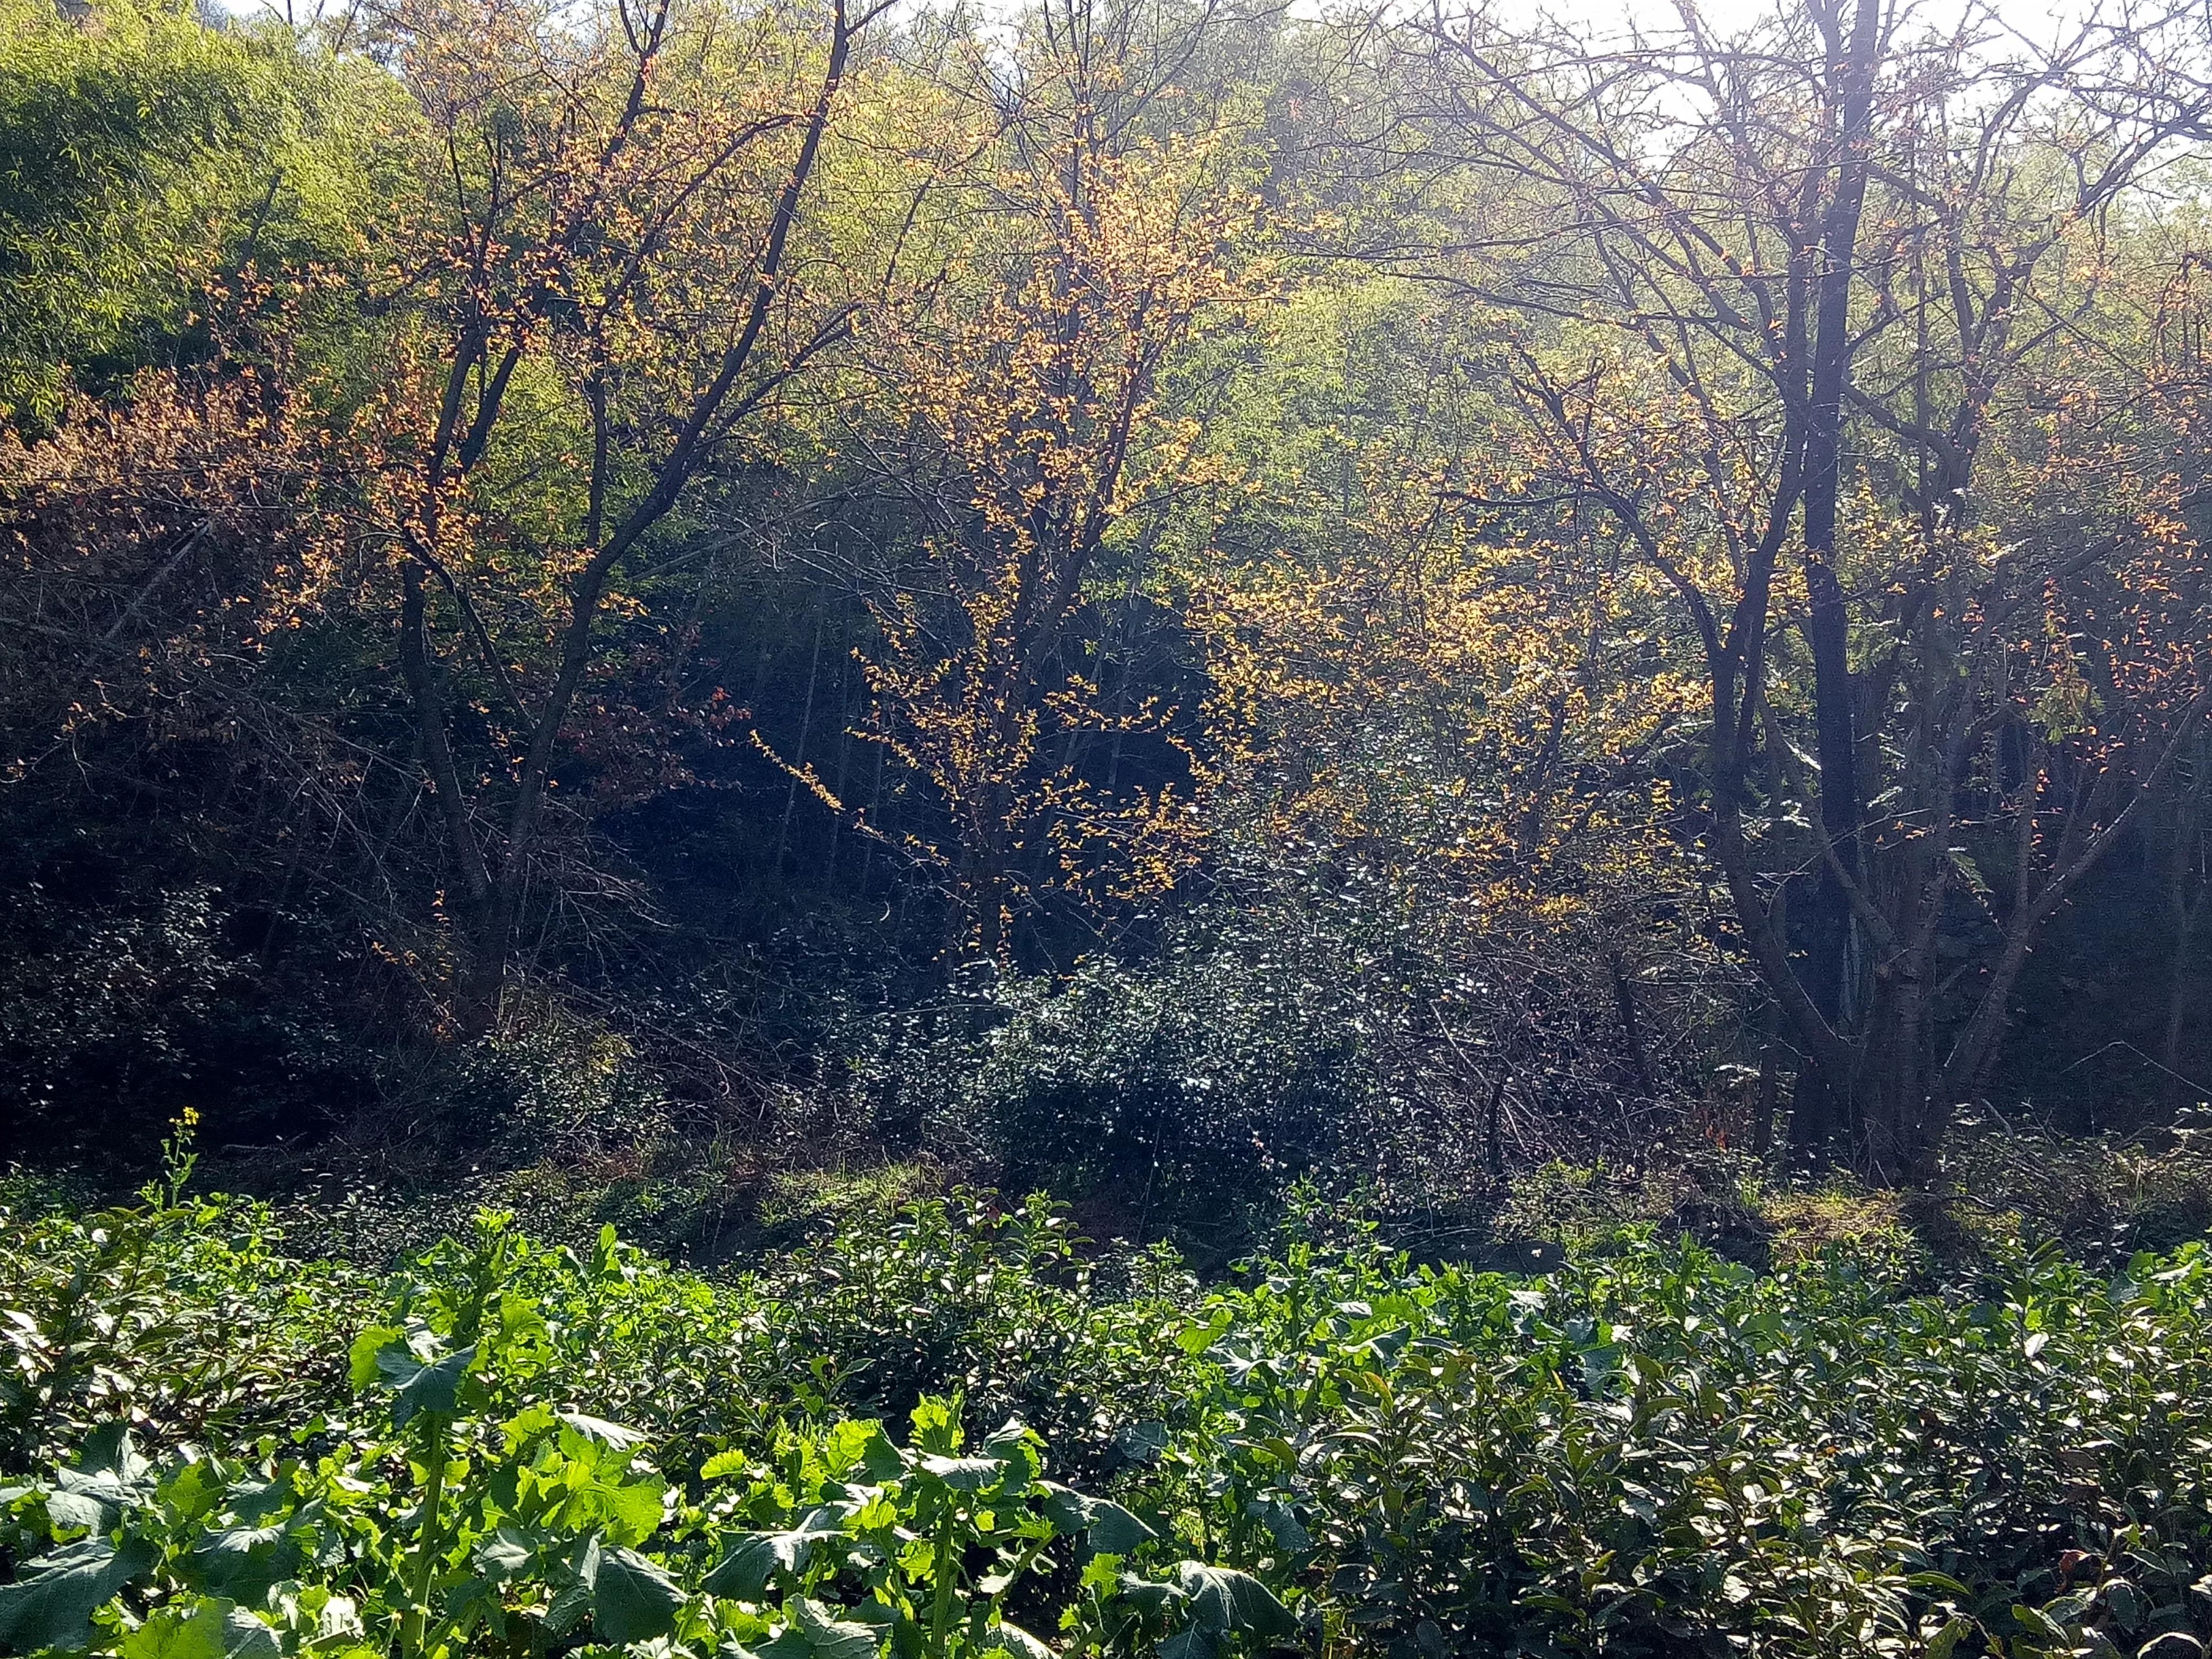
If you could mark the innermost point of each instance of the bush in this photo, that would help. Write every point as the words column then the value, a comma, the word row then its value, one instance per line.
column 1652, row 1450
column 1660, row 1452
column 186, row 1317
column 1187, row 1094
column 461, row 1502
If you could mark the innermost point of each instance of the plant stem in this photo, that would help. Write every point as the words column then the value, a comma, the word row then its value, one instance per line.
column 941, row 1589
column 426, row 1539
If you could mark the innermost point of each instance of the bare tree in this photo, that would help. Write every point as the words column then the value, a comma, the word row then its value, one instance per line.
column 1779, row 291
column 617, row 229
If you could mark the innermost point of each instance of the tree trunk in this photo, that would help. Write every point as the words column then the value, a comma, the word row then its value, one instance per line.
column 1833, row 965
column 1624, row 997
column 1763, row 1104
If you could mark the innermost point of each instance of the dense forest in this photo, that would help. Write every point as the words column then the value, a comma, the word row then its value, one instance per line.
column 1519, row 709
column 1132, row 588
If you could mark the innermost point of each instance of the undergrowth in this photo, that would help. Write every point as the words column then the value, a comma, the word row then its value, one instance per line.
column 851, row 1449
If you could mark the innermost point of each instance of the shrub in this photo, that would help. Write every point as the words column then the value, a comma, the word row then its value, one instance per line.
column 1652, row 1450
column 1660, row 1452
column 1188, row 1093
column 185, row 1316
column 463, row 1503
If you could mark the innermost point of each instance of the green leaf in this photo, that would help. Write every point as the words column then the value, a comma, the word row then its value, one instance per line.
column 936, row 1426
column 365, row 1353
column 613, row 1435
column 632, row 1509
column 633, row 1599
column 829, row 1637
column 243, row 1562
column 245, row 1637
column 2036, row 1622
column 432, row 1388
column 1114, row 1530
column 188, row 1631
column 1143, row 1443
column 1149, row 1598
column 52, row 1606
column 746, row 1572
column 109, row 1477
column 965, row 1473
column 1222, row 1599
column 790, row 1643
column 757, row 1557
column 93, row 1503
column 1941, row 1645
column 1003, row 1638
column 192, row 1490
column 722, row 1463
column 859, row 1444
column 1068, row 1509
column 112, row 1449
column 606, row 1257
column 207, row 1628
column 504, row 1554
column 1282, row 1524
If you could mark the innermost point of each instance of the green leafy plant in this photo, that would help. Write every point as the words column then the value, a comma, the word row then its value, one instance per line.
column 461, row 1505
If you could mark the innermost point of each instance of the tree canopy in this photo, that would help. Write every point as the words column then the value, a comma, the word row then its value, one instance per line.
column 1395, row 591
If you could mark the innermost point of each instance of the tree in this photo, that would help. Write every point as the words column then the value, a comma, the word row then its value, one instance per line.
column 1445, row 747
column 606, row 295
column 1778, row 289
column 1036, row 396
column 147, row 158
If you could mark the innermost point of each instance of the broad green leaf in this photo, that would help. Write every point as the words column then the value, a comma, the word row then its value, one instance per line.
column 1003, row 1638
column 243, row 1562
column 1143, row 1443
column 1114, row 1530
column 107, row 1477
column 612, row 1435
column 965, row 1473
column 1146, row 1597
column 746, row 1572
column 245, row 1637
column 1222, row 1599
column 936, row 1426
column 1281, row 1522
column 209, row 1628
column 52, row 1606
column 632, row 1509
column 789, row 1642
column 1069, row 1511
column 829, row 1637
column 722, row 1463
column 853, row 1445
column 367, row 1352
column 755, row 1558
column 193, row 1631
column 504, row 1554
column 112, row 1449
column 192, row 1490
column 432, row 1388
column 93, row 1503
column 633, row 1599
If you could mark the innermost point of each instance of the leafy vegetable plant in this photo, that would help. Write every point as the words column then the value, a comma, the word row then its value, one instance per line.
column 463, row 1507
